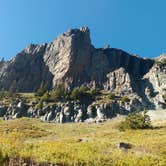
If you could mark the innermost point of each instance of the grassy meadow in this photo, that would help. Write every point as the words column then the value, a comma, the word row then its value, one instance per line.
column 80, row 143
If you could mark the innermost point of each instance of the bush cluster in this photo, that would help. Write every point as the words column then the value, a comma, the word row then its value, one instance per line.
column 112, row 96
column 9, row 96
column 61, row 94
column 78, row 93
column 42, row 89
column 125, row 99
column 138, row 120
column 83, row 92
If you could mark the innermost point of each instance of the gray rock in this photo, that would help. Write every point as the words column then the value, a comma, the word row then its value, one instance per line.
column 91, row 111
column 20, row 104
column 119, row 81
column 124, row 146
column 50, row 116
column 17, row 115
column 90, row 120
column 61, row 117
column 67, row 113
column 3, row 110
column 79, row 116
column 100, row 112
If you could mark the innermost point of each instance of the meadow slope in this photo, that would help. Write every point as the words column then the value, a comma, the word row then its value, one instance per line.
column 31, row 141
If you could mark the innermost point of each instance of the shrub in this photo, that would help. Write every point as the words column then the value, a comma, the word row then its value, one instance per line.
column 139, row 120
column 83, row 89
column 164, row 97
column 6, row 94
column 78, row 93
column 45, row 97
column 9, row 96
column 93, row 92
column 39, row 105
column 125, row 99
column 58, row 93
column 111, row 96
column 42, row 89
column 75, row 94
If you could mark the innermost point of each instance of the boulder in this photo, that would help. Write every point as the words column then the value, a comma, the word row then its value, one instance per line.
column 79, row 116
column 61, row 117
column 91, row 111
column 67, row 113
column 50, row 116
column 100, row 112
column 3, row 110
column 124, row 146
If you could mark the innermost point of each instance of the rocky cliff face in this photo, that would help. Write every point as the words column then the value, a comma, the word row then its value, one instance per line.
column 26, row 71
column 154, row 84
column 71, row 59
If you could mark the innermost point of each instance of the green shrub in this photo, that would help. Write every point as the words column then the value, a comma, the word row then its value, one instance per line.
column 42, row 89
column 45, row 97
column 125, row 99
column 83, row 89
column 139, row 120
column 59, row 93
column 55, row 95
column 78, row 93
column 75, row 94
column 39, row 105
column 7, row 94
column 93, row 92
column 111, row 96
column 164, row 97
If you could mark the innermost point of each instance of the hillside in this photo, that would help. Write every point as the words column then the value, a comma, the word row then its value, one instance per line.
column 30, row 141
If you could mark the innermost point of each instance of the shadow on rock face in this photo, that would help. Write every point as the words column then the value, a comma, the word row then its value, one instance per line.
column 27, row 71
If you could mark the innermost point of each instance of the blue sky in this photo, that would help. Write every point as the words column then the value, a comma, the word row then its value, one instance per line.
column 136, row 26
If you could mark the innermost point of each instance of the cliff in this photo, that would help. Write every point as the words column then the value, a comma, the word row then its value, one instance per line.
column 72, row 60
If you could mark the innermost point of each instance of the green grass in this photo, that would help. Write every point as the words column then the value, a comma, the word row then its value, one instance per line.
column 82, row 144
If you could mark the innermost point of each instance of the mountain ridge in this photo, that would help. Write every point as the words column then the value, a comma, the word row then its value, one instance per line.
column 76, row 45
column 72, row 61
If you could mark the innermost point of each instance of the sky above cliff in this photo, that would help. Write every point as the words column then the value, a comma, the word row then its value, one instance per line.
column 138, row 27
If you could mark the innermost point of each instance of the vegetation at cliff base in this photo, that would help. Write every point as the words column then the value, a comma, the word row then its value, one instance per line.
column 125, row 99
column 111, row 96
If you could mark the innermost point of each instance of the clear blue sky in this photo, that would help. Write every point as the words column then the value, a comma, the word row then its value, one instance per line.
column 136, row 26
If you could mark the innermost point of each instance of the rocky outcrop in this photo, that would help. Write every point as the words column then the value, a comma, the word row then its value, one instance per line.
column 154, row 85
column 72, row 111
column 15, row 110
column 26, row 71
column 69, row 56
column 119, row 81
